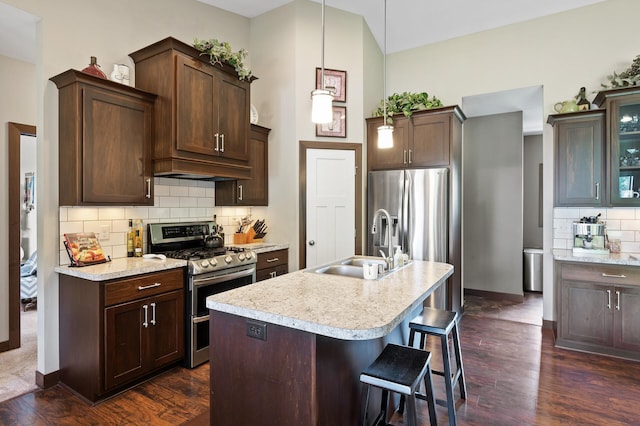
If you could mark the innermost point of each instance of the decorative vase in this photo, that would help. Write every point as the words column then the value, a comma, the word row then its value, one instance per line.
column 115, row 74
column 94, row 69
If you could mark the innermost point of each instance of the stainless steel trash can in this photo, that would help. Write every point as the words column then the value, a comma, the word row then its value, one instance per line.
column 532, row 270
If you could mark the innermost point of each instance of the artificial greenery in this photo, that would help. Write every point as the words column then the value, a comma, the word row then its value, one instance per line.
column 220, row 51
column 628, row 77
column 406, row 103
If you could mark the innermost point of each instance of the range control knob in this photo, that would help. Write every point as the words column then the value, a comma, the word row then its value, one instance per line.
column 241, row 257
column 213, row 262
column 204, row 264
column 251, row 255
column 228, row 259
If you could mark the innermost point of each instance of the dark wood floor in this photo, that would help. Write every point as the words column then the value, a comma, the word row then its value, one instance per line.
column 515, row 376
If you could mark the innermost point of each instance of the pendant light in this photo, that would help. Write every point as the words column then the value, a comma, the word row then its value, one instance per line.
column 385, row 132
column 322, row 99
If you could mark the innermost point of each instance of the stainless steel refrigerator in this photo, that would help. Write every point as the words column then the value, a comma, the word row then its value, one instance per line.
column 417, row 201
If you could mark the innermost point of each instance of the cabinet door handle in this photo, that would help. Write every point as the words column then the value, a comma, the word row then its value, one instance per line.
column 147, row 287
column 222, row 142
column 217, row 136
column 275, row 259
column 617, row 300
column 148, row 188
column 404, row 156
column 153, row 314
column 614, row 275
column 410, row 155
column 597, row 190
column 240, row 192
column 273, row 274
column 608, row 299
column 145, row 323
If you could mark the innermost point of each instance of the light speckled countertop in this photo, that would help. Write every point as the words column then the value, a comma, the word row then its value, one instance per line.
column 262, row 247
column 335, row 306
column 120, row 268
column 624, row 259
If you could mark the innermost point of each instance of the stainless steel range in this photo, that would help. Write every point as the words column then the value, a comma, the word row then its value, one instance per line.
column 211, row 270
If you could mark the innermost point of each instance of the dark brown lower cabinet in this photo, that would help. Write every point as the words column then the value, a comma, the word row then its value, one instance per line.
column 599, row 308
column 115, row 333
column 142, row 336
column 272, row 264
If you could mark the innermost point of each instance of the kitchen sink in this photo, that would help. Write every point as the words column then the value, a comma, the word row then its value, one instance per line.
column 344, row 270
column 351, row 267
column 361, row 260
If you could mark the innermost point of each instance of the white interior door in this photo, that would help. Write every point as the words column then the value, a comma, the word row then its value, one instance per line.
column 331, row 189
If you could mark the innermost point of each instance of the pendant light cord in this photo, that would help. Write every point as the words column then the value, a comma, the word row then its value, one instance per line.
column 384, row 66
column 322, row 62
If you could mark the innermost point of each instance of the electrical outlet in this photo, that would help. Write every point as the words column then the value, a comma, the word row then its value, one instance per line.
column 257, row 330
column 104, row 232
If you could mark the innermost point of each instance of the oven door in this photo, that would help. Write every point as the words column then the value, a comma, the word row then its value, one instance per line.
column 201, row 287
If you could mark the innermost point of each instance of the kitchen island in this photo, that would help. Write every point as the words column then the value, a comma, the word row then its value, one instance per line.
column 289, row 350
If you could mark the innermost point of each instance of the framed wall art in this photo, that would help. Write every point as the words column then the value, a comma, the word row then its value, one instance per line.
column 338, row 127
column 335, row 81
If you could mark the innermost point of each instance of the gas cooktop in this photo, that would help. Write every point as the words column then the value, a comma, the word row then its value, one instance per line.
column 186, row 241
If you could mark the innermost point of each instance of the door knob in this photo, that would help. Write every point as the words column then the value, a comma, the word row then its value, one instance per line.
column 312, row 242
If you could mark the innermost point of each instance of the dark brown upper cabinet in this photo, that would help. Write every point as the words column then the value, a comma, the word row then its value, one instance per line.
column 202, row 112
column 623, row 144
column 255, row 190
column 105, row 136
column 579, row 158
column 428, row 138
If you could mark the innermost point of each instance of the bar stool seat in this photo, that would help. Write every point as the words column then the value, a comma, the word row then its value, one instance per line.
column 442, row 323
column 398, row 369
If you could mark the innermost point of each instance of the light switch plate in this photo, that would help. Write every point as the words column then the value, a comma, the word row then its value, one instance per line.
column 104, row 232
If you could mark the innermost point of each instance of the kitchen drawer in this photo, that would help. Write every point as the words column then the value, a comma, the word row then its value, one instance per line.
column 601, row 273
column 272, row 272
column 143, row 286
column 273, row 258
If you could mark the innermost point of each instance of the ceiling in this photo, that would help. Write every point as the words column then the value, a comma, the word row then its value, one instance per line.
column 413, row 23
column 410, row 23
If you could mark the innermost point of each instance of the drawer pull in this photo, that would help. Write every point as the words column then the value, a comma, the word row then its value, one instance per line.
column 275, row 259
column 146, row 287
column 608, row 299
column 618, row 301
column 614, row 275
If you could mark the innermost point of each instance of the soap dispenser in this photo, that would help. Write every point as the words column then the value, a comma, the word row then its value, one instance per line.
column 398, row 258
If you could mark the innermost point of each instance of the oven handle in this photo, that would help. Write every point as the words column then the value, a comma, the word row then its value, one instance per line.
column 198, row 320
column 221, row 278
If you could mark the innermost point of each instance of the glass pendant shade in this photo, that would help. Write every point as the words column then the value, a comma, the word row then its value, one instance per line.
column 321, row 106
column 385, row 137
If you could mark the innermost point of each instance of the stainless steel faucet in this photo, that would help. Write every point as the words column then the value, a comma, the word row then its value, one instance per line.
column 374, row 230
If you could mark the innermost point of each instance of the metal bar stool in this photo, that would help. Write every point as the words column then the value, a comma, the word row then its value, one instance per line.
column 442, row 323
column 398, row 369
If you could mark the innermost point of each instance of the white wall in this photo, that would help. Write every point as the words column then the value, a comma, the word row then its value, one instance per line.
column 562, row 52
column 19, row 106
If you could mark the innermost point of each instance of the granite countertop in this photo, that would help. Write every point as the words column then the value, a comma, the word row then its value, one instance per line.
column 335, row 306
column 624, row 259
column 120, row 268
column 261, row 247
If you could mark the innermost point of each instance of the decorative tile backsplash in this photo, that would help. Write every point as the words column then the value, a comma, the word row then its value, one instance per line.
column 621, row 223
column 176, row 200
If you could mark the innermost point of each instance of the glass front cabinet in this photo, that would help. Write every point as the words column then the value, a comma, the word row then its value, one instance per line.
column 623, row 143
